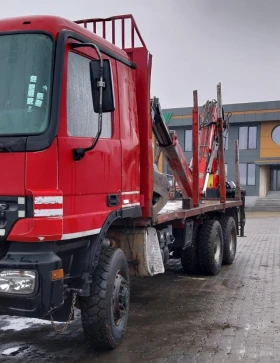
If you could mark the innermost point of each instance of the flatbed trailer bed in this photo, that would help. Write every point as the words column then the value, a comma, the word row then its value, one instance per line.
column 173, row 209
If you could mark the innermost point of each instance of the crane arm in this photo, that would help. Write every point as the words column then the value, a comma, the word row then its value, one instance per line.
column 209, row 147
column 171, row 149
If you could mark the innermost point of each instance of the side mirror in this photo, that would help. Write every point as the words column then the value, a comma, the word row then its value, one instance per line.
column 108, row 100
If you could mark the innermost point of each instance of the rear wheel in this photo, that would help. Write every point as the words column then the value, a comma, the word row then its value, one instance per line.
column 210, row 247
column 230, row 239
column 105, row 312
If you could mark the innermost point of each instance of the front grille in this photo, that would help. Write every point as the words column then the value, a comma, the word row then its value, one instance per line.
column 12, row 209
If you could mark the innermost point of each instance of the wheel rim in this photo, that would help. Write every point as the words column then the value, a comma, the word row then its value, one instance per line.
column 232, row 242
column 120, row 298
column 217, row 248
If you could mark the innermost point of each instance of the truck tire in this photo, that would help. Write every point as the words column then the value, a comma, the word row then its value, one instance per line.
column 230, row 239
column 105, row 312
column 210, row 247
column 189, row 258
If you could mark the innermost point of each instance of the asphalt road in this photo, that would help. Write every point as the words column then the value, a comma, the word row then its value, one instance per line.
column 232, row 317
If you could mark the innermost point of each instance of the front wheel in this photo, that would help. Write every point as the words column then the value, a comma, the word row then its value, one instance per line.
column 105, row 312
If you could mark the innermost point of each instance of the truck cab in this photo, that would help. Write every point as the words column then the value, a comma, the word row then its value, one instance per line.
column 75, row 161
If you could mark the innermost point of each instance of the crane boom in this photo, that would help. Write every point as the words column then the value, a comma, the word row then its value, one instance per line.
column 209, row 148
column 171, row 149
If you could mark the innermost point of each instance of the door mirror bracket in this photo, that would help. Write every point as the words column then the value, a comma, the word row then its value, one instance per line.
column 102, row 93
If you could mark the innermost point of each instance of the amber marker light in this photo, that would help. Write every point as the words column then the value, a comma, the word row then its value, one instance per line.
column 57, row 274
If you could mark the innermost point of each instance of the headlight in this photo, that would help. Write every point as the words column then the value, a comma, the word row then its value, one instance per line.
column 17, row 282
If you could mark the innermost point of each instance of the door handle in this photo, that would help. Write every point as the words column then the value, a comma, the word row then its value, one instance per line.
column 113, row 200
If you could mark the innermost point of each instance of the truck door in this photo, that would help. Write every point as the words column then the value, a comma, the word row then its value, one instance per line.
column 86, row 184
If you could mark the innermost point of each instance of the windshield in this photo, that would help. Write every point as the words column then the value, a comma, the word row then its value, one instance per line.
column 25, row 76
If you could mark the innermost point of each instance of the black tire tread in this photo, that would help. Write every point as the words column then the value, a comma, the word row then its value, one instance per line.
column 225, row 223
column 94, row 307
column 205, row 250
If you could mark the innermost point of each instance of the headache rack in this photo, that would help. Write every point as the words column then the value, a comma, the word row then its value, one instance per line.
column 121, row 30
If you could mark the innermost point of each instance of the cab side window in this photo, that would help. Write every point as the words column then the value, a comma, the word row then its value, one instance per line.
column 82, row 121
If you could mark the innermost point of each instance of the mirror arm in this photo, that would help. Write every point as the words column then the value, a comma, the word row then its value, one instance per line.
column 79, row 153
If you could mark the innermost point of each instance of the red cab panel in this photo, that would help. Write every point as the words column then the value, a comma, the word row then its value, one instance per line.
column 41, row 169
column 129, row 131
column 12, row 181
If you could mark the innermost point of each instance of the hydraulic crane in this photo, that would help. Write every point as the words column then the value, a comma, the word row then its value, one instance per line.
column 206, row 169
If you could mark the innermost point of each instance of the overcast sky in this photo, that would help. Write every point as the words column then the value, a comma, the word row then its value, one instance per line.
column 194, row 43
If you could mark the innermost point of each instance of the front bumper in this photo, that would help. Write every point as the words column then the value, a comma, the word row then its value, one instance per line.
column 47, row 294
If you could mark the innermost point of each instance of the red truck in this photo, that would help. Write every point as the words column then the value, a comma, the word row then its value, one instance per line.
column 82, row 205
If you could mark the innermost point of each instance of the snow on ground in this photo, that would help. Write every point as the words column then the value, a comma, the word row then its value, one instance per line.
column 10, row 351
column 18, row 324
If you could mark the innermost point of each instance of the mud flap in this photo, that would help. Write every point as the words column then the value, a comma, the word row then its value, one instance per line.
column 153, row 258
